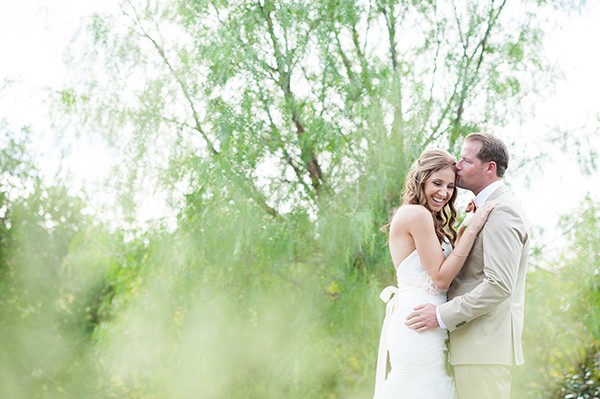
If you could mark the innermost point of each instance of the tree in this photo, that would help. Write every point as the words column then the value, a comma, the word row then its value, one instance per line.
column 293, row 101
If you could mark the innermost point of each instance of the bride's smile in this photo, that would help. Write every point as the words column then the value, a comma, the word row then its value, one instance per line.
column 439, row 188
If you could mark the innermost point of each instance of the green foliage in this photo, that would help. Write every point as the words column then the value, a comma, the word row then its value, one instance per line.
column 49, row 276
column 283, row 130
column 230, row 291
column 316, row 92
column 585, row 382
column 563, row 309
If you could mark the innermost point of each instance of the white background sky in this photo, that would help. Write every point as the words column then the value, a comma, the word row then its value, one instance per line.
column 35, row 33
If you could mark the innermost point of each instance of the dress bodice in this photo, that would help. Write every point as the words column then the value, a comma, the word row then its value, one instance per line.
column 410, row 273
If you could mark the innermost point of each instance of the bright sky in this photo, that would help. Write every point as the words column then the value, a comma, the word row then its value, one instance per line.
column 558, row 186
column 35, row 33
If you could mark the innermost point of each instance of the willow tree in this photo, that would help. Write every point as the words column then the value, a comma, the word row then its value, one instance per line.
column 294, row 101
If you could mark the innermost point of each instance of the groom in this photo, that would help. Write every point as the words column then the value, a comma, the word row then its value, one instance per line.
column 484, row 312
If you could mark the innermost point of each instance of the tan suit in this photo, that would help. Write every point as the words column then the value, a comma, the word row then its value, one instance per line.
column 485, row 308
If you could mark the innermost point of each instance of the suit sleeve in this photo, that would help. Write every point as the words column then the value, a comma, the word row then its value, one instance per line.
column 503, row 238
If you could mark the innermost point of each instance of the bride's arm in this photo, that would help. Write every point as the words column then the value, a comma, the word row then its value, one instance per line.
column 443, row 270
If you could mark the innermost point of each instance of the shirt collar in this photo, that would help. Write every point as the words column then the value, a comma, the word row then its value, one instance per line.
column 486, row 192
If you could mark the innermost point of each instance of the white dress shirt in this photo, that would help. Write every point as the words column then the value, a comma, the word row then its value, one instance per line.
column 486, row 192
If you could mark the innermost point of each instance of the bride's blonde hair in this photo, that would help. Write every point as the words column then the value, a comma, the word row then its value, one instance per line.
column 428, row 163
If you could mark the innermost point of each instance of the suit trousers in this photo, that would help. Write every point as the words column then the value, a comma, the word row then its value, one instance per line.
column 482, row 381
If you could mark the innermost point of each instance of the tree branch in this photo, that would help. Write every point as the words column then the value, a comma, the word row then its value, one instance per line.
column 284, row 71
column 253, row 191
column 469, row 83
column 182, row 86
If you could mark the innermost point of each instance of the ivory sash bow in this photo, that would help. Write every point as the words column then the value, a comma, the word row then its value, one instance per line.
column 389, row 295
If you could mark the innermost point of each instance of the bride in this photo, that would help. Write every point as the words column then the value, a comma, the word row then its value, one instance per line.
column 421, row 237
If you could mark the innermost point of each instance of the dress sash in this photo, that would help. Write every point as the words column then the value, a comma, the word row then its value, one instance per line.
column 389, row 295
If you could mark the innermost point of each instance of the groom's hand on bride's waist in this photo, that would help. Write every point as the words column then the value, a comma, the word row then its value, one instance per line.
column 423, row 318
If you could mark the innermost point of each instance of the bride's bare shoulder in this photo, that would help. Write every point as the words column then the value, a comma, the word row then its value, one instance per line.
column 411, row 213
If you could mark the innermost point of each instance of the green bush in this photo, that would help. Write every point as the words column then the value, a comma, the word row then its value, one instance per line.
column 584, row 383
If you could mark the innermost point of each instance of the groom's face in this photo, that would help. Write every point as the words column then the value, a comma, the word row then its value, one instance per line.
column 471, row 171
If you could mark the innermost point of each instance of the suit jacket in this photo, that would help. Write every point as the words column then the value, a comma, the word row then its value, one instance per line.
column 485, row 308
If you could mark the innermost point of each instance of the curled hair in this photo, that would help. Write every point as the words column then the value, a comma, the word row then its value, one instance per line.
column 428, row 163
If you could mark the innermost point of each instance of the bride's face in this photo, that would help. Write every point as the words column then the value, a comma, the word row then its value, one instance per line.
column 439, row 188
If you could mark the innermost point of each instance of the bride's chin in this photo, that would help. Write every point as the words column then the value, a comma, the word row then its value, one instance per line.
column 436, row 207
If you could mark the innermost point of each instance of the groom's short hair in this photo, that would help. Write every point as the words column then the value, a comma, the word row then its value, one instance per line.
column 492, row 149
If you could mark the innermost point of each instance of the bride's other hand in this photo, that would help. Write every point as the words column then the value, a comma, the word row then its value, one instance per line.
column 470, row 210
column 471, row 207
column 481, row 216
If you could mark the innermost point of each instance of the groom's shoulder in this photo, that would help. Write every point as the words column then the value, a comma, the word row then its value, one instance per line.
column 509, row 211
column 506, row 198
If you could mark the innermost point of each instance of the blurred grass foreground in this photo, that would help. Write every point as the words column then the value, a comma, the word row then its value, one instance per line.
column 239, row 304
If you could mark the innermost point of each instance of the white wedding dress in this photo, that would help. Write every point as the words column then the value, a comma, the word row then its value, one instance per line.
column 418, row 360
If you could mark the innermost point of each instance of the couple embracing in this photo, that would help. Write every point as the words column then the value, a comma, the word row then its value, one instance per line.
column 466, row 284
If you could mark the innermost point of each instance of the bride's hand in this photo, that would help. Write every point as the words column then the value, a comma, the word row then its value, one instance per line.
column 481, row 215
column 471, row 207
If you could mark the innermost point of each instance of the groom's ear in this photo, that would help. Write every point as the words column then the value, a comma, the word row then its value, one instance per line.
column 491, row 167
